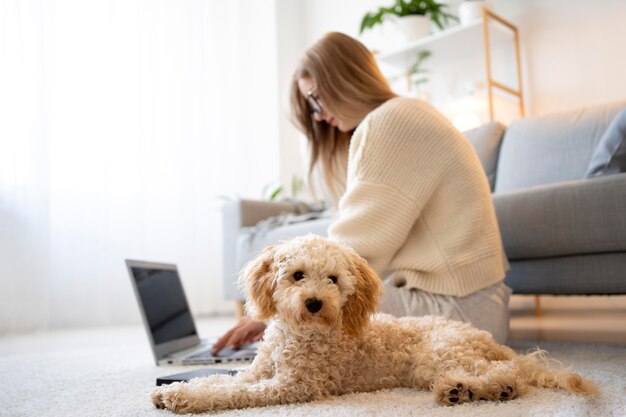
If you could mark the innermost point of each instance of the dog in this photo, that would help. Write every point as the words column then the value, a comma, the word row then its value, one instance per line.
column 323, row 339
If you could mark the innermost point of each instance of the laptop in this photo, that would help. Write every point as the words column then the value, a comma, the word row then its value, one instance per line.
column 168, row 321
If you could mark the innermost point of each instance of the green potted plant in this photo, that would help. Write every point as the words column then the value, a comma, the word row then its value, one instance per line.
column 276, row 191
column 414, row 75
column 414, row 72
column 413, row 16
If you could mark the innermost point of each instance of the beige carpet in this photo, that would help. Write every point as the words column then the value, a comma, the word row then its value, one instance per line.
column 108, row 372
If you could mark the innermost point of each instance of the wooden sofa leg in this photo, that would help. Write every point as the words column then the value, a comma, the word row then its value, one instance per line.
column 537, row 306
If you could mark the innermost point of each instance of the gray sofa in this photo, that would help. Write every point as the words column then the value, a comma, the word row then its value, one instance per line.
column 563, row 233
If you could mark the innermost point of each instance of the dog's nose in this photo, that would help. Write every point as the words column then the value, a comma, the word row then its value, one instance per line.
column 313, row 305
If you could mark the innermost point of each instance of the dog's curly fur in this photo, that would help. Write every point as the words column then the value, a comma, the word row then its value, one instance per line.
column 322, row 340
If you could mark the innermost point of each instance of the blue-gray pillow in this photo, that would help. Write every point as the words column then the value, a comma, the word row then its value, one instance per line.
column 609, row 156
column 486, row 141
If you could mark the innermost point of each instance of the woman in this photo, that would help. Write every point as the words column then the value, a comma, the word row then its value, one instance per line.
column 412, row 196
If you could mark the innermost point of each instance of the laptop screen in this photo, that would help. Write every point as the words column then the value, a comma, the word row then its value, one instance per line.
column 164, row 304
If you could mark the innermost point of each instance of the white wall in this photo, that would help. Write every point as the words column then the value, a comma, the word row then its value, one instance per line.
column 572, row 50
column 290, row 41
column 258, row 125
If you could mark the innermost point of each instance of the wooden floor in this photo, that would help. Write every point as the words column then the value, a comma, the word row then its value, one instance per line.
column 595, row 319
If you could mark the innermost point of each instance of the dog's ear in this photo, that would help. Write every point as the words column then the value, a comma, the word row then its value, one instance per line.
column 257, row 280
column 364, row 302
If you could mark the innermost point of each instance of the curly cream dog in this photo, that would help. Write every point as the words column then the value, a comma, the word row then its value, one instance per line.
column 319, row 298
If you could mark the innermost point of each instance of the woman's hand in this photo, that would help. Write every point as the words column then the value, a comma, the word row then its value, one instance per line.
column 246, row 331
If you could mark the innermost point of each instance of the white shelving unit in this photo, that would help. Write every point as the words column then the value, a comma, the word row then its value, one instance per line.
column 448, row 44
column 461, row 42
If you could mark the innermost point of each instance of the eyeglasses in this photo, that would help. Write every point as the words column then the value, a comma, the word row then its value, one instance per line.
column 314, row 103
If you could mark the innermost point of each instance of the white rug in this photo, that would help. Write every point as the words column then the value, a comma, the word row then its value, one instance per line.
column 109, row 372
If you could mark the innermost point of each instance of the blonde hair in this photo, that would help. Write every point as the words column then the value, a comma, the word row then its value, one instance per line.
column 350, row 84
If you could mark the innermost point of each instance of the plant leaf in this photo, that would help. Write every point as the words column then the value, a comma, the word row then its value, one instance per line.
column 276, row 193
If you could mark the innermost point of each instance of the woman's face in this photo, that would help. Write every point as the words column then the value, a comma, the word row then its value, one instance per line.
column 308, row 89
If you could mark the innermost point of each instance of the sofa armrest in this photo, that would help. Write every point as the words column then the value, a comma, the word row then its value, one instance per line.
column 561, row 219
column 253, row 211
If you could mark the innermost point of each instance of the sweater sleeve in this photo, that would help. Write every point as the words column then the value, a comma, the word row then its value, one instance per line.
column 394, row 167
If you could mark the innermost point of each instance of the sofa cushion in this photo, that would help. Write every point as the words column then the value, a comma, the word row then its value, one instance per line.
column 567, row 275
column 570, row 218
column 610, row 154
column 553, row 148
column 486, row 141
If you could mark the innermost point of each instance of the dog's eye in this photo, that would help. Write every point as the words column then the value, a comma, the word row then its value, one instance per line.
column 298, row 275
column 333, row 279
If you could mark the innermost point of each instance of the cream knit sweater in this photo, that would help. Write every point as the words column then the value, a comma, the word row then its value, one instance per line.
column 417, row 204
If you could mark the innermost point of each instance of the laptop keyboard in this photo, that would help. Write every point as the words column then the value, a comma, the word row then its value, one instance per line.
column 225, row 355
column 201, row 355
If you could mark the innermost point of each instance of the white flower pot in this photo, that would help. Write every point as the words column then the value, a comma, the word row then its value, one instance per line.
column 413, row 27
column 471, row 11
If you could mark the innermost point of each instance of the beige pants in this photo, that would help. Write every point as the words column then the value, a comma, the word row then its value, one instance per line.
column 487, row 309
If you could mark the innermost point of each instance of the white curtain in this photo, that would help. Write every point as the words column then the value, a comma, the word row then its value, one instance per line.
column 121, row 122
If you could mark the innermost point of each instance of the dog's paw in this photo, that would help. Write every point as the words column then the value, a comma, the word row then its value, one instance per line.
column 455, row 393
column 502, row 392
column 507, row 392
column 155, row 395
column 172, row 398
